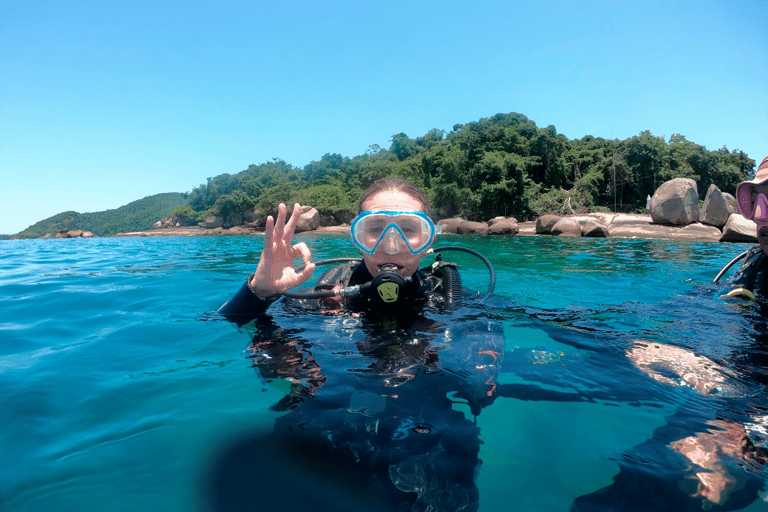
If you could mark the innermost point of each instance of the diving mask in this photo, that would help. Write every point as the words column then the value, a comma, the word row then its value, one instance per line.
column 397, row 231
column 753, row 205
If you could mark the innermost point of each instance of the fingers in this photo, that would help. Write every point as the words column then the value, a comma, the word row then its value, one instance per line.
column 282, row 211
column 268, row 229
column 302, row 250
column 290, row 228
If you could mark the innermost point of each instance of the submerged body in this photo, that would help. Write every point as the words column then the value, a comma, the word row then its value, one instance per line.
column 383, row 394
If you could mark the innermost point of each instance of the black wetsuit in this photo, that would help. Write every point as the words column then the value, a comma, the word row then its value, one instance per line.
column 749, row 279
column 381, row 402
column 653, row 477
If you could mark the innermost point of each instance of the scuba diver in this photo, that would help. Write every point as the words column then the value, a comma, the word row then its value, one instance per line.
column 393, row 232
column 752, row 200
column 382, row 398
column 728, row 453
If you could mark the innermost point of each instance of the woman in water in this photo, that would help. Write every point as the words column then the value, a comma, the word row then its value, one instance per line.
column 393, row 232
column 374, row 377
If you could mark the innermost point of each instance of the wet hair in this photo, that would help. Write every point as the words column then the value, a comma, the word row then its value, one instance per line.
column 395, row 185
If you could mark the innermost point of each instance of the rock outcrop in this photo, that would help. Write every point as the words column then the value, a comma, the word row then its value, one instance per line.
column 309, row 219
column 450, row 225
column 715, row 210
column 70, row 233
column 675, row 202
column 545, row 223
column 566, row 226
column 674, row 214
column 739, row 229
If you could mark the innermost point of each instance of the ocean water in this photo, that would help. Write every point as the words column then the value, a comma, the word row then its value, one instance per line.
column 122, row 390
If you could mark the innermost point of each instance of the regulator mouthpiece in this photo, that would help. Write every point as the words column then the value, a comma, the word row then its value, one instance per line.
column 388, row 284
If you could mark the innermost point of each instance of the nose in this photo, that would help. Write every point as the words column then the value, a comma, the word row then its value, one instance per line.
column 390, row 242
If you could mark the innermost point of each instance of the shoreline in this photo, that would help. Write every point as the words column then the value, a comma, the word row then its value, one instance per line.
column 619, row 225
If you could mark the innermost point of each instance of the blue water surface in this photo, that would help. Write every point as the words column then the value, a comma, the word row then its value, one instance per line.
column 121, row 390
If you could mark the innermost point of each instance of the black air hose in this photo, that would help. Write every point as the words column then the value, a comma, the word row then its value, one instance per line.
column 451, row 285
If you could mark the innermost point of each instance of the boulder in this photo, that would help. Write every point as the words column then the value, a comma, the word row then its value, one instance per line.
column 675, row 202
column 503, row 227
column 566, row 227
column 87, row 234
column 239, row 230
column 212, row 222
column 733, row 207
column 450, row 225
column 694, row 231
column 714, row 211
column 251, row 216
column 308, row 220
column 167, row 223
column 739, row 229
column 496, row 220
column 74, row 233
column 48, row 235
column 545, row 222
column 595, row 229
column 469, row 227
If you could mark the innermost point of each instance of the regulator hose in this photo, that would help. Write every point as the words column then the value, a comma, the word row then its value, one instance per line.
column 450, row 275
column 727, row 266
column 451, row 284
column 491, row 271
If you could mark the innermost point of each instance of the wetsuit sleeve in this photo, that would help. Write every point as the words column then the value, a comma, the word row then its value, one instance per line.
column 245, row 305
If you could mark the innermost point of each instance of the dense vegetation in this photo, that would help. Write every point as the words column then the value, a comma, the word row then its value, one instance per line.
column 136, row 216
column 503, row 165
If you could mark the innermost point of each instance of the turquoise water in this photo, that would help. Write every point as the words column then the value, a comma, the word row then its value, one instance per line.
column 120, row 391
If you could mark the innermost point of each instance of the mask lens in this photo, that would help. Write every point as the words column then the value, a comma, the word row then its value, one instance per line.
column 760, row 209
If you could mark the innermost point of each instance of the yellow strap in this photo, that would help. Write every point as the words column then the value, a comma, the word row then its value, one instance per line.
column 741, row 293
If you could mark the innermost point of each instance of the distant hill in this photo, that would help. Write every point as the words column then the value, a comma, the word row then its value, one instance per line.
column 136, row 216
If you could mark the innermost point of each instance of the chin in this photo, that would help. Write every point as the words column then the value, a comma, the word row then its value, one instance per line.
column 406, row 269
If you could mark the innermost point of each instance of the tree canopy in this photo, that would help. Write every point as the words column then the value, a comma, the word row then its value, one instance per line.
column 502, row 165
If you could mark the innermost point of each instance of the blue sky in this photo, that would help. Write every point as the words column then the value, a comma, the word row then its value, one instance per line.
column 103, row 103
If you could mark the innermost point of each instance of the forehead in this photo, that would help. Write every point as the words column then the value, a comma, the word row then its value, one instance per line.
column 392, row 200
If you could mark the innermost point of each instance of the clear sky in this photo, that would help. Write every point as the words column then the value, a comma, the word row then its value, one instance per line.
column 106, row 102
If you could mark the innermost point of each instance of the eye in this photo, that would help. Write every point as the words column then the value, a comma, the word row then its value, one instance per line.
column 373, row 228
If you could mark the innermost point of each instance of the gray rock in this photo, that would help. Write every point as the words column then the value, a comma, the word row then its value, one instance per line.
column 212, row 222
column 733, row 207
column 469, row 227
column 714, row 211
column 675, row 202
column 566, row 227
column 450, row 225
column 739, row 229
column 308, row 220
column 593, row 228
column 238, row 230
column 503, row 227
column 545, row 223
column 496, row 220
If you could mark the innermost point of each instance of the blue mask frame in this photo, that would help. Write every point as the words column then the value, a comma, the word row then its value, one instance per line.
column 427, row 222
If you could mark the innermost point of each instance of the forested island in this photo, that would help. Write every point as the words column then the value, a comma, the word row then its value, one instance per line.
column 499, row 166
column 503, row 165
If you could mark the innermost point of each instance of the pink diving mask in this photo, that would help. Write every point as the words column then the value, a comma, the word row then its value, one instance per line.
column 756, row 210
